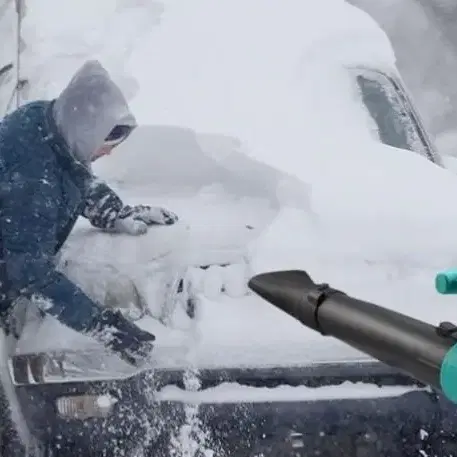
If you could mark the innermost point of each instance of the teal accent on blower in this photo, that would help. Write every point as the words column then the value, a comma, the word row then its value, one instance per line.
column 448, row 374
column 446, row 282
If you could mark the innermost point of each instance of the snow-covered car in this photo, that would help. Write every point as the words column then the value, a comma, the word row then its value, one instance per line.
column 302, row 150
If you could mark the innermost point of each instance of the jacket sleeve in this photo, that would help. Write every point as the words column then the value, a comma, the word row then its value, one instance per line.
column 102, row 206
column 28, row 223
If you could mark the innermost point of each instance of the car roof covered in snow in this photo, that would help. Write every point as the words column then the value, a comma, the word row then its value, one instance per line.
column 234, row 54
column 272, row 75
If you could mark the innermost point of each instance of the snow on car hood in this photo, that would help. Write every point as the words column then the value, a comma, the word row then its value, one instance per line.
column 379, row 230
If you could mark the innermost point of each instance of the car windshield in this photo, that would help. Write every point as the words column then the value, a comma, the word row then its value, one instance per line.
column 395, row 122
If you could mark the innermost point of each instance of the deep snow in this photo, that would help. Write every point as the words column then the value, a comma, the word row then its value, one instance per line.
column 340, row 243
column 263, row 129
column 373, row 221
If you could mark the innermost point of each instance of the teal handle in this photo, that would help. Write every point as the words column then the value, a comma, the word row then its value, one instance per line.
column 448, row 374
column 446, row 282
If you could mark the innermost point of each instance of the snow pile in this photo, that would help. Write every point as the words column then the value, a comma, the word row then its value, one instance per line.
column 106, row 30
column 369, row 209
column 277, row 77
column 227, row 101
column 279, row 96
column 234, row 84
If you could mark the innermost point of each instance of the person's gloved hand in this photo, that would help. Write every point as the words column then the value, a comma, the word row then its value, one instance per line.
column 123, row 337
column 134, row 220
column 130, row 226
column 150, row 215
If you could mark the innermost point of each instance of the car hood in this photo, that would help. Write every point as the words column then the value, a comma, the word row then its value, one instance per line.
column 388, row 252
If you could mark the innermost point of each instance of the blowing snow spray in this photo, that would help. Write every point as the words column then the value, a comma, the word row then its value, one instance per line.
column 425, row 352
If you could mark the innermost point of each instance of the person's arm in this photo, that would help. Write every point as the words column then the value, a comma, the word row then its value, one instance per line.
column 28, row 225
column 29, row 214
column 105, row 210
column 101, row 205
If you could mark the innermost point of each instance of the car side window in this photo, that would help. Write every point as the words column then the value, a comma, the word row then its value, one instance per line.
column 395, row 121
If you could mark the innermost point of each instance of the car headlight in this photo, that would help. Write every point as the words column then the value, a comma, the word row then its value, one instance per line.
column 83, row 407
column 87, row 365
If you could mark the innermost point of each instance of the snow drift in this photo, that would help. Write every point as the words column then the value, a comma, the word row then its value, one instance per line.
column 219, row 102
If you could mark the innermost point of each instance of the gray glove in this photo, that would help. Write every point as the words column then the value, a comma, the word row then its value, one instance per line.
column 130, row 226
column 134, row 220
column 150, row 215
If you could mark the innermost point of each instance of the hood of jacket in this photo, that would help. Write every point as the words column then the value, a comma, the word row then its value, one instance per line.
column 88, row 109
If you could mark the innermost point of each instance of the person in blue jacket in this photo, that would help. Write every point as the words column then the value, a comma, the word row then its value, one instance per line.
column 46, row 183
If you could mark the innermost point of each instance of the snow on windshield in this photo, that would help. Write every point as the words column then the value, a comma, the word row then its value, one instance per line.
column 393, row 121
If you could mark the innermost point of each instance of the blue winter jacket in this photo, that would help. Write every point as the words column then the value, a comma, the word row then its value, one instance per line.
column 44, row 186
